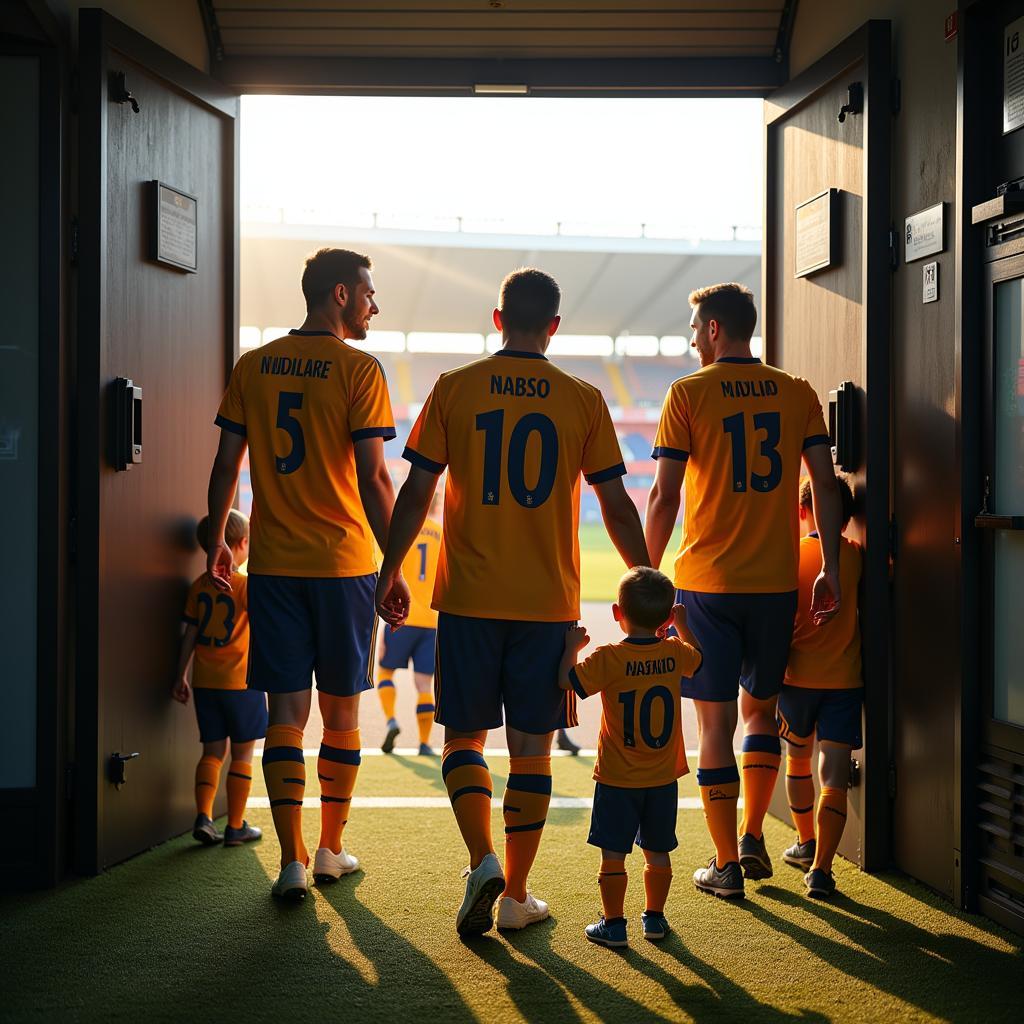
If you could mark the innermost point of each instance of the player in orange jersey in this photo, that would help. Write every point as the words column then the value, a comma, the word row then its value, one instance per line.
column 416, row 641
column 216, row 643
column 822, row 695
column 515, row 432
column 736, row 432
column 640, row 752
column 315, row 413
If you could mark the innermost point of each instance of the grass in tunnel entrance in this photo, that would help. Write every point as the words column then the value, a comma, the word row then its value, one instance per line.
column 187, row 932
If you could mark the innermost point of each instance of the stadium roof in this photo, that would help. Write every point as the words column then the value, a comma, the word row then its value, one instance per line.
column 447, row 281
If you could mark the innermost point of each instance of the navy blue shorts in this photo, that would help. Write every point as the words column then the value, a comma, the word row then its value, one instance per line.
column 745, row 640
column 410, row 643
column 835, row 714
column 484, row 665
column 645, row 816
column 301, row 625
column 240, row 715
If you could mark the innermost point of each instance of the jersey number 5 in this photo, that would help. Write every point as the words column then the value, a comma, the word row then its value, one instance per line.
column 735, row 427
column 287, row 403
column 493, row 426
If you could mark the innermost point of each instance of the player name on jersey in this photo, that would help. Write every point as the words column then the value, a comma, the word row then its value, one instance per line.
column 287, row 366
column 650, row 667
column 521, row 387
column 749, row 388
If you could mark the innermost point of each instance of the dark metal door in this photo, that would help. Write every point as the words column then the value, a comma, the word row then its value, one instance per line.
column 829, row 129
column 144, row 116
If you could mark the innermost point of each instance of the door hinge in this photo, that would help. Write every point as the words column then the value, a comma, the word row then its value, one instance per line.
column 895, row 96
column 893, row 538
column 894, row 251
column 892, row 780
column 73, row 242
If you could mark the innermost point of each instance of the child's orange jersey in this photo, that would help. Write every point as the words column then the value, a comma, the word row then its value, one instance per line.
column 419, row 570
column 222, row 646
column 302, row 402
column 741, row 427
column 827, row 657
column 641, row 741
column 515, row 432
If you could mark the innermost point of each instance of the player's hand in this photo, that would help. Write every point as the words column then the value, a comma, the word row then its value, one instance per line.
column 218, row 565
column 392, row 599
column 576, row 638
column 679, row 617
column 182, row 691
column 825, row 597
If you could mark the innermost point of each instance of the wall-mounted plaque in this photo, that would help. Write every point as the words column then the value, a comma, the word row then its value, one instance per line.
column 930, row 282
column 817, row 233
column 924, row 234
column 1013, row 75
column 175, row 227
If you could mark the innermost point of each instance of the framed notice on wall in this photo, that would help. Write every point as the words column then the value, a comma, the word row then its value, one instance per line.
column 1013, row 76
column 175, row 232
column 817, row 233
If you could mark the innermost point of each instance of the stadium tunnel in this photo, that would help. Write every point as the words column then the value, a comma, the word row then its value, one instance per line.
column 892, row 278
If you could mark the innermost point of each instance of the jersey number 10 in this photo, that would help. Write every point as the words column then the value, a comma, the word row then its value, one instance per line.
column 493, row 425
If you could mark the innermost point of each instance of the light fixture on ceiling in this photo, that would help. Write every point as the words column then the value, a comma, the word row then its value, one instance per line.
column 500, row 89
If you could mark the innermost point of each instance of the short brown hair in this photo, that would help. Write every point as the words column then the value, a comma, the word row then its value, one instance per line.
column 327, row 268
column 236, row 529
column 528, row 300
column 731, row 304
column 845, row 496
column 646, row 597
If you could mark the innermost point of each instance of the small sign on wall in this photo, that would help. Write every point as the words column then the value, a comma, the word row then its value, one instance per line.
column 924, row 233
column 930, row 282
column 175, row 228
column 1013, row 76
column 817, row 233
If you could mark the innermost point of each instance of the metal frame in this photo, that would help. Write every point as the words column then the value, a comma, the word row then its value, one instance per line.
column 99, row 32
column 870, row 46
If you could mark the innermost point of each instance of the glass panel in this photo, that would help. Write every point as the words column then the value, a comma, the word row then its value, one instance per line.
column 1008, row 499
column 19, row 420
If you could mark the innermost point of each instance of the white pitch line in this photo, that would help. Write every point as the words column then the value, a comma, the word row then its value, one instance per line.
column 489, row 752
column 687, row 803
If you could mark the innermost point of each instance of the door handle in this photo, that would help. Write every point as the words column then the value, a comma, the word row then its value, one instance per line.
column 127, row 402
column 842, row 425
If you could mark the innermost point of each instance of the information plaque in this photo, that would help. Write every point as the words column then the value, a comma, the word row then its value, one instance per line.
column 924, row 233
column 175, row 227
column 1013, row 76
column 817, row 233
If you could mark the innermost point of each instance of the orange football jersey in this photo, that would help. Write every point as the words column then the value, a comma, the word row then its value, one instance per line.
column 420, row 570
column 641, row 740
column 222, row 646
column 515, row 432
column 302, row 402
column 741, row 427
column 827, row 657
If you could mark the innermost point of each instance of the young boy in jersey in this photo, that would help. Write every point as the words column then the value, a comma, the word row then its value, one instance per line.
column 415, row 641
column 216, row 641
column 640, row 753
column 822, row 694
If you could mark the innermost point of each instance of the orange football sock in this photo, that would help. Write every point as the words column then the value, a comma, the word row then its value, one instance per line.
column 800, row 790
column 207, row 781
column 284, row 770
column 468, row 782
column 425, row 718
column 612, row 880
column 386, row 691
column 657, row 882
column 527, row 795
column 720, row 793
column 831, row 821
column 336, row 768
column 239, row 783
column 761, row 757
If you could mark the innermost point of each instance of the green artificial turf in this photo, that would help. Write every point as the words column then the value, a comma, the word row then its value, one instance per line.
column 601, row 565
column 184, row 932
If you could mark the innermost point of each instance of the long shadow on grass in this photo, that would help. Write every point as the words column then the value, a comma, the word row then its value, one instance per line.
column 410, row 985
column 427, row 768
column 606, row 1002
column 720, row 998
column 939, row 973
